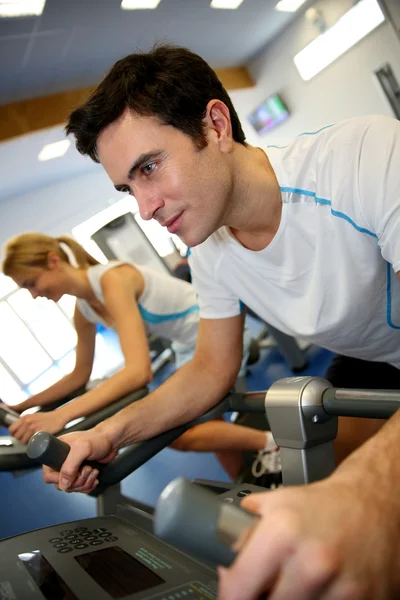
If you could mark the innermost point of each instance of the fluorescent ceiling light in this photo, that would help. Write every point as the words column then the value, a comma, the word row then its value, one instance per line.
column 289, row 5
column 21, row 8
column 231, row 4
column 360, row 20
column 55, row 150
column 139, row 4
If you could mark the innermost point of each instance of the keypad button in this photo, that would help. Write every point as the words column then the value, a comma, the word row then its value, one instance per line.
column 99, row 530
column 81, row 546
column 64, row 550
column 73, row 536
column 55, row 540
column 80, row 529
column 106, row 534
column 112, row 538
column 97, row 543
column 60, row 545
column 90, row 538
column 66, row 532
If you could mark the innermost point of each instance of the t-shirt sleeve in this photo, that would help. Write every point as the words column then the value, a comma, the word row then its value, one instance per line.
column 379, row 185
column 214, row 299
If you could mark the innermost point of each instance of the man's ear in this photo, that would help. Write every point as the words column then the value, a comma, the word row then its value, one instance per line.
column 53, row 260
column 218, row 124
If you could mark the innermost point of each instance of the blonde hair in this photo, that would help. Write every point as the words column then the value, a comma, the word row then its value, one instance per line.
column 32, row 250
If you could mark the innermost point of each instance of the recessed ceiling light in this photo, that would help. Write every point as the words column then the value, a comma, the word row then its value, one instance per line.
column 21, row 8
column 139, row 4
column 55, row 150
column 289, row 5
column 226, row 3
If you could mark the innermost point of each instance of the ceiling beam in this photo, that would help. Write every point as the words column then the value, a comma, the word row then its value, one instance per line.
column 20, row 118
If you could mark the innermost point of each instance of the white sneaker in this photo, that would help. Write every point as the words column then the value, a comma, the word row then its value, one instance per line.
column 268, row 459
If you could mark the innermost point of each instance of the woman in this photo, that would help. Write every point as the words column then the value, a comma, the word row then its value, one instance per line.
column 135, row 301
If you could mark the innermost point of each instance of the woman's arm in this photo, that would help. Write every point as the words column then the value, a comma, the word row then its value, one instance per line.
column 86, row 333
column 119, row 288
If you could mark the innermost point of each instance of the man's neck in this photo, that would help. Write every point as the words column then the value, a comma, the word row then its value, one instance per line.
column 256, row 209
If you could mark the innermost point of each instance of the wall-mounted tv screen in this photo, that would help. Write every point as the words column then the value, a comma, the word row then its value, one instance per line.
column 269, row 114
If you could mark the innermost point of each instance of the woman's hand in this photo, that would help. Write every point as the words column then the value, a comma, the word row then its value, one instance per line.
column 24, row 428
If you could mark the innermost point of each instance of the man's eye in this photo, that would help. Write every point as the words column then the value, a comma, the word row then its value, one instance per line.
column 148, row 169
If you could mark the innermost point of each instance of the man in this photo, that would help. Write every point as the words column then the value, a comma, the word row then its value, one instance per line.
column 307, row 237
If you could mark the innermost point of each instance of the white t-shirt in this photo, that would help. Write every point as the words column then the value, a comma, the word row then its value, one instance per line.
column 168, row 305
column 328, row 276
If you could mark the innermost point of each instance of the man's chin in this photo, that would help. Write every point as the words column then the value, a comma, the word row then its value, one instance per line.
column 193, row 239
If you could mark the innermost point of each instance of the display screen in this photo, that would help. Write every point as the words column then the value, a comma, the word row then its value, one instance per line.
column 52, row 586
column 269, row 114
column 117, row 572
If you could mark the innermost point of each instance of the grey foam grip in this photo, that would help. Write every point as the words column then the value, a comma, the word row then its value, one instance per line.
column 7, row 416
column 195, row 520
column 48, row 450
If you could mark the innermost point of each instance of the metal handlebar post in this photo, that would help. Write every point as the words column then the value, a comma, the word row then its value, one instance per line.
column 302, row 429
column 303, row 411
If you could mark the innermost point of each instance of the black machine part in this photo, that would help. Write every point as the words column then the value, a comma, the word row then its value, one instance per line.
column 41, row 449
column 49, row 450
column 102, row 558
column 7, row 416
column 13, row 456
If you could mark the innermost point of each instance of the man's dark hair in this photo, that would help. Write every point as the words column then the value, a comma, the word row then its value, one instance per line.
column 168, row 82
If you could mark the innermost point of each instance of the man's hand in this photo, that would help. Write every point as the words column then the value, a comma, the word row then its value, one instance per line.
column 333, row 540
column 24, row 428
column 85, row 445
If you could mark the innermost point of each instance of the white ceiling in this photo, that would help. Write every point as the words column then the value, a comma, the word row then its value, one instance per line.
column 74, row 42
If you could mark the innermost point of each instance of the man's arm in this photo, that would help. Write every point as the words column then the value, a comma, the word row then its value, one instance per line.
column 335, row 539
column 191, row 391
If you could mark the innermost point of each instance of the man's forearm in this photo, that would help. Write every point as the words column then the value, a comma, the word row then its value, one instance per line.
column 186, row 395
column 376, row 462
column 106, row 393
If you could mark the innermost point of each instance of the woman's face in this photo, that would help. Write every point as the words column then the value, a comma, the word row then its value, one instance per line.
column 48, row 283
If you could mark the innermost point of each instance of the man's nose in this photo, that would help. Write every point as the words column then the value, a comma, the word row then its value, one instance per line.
column 148, row 205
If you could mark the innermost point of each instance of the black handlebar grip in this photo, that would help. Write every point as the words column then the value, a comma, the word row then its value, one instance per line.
column 48, row 450
column 8, row 416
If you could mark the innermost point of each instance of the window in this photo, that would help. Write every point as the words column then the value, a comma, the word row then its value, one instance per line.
column 37, row 342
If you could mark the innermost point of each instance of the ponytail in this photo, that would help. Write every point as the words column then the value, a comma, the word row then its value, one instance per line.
column 32, row 250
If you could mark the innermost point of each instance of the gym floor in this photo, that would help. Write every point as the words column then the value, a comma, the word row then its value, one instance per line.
column 26, row 503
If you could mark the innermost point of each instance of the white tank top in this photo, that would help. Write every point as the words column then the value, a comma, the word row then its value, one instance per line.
column 168, row 305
